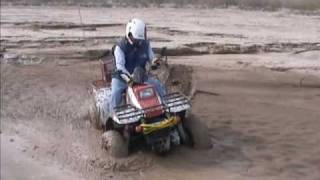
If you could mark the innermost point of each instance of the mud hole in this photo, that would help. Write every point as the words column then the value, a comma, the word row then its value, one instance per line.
column 48, row 104
column 41, row 100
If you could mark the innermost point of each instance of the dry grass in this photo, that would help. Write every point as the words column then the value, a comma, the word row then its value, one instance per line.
column 246, row 4
column 276, row 4
column 261, row 4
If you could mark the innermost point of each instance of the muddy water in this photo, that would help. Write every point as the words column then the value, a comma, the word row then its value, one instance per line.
column 47, row 106
column 262, row 127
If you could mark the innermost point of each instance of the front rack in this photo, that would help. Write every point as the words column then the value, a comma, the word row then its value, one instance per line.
column 172, row 103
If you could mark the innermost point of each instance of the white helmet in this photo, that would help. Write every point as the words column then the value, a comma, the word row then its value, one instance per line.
column 137, row 28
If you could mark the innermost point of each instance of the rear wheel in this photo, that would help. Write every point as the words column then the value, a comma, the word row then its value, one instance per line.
column 115, row 144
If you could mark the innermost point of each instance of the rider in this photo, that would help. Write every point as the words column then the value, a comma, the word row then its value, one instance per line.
column 131, row 52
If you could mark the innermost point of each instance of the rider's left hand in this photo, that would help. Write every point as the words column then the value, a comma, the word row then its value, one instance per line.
column 156, row 61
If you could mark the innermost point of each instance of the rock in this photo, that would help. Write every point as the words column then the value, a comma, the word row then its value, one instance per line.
column 35, row 147
column 95, row 54
column 2, row 50
column 10, row 56
column 89, row 28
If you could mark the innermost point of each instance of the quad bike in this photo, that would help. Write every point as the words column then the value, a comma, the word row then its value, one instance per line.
column 160, row 122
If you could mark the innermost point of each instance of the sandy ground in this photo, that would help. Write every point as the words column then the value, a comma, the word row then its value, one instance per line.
column 256, row 81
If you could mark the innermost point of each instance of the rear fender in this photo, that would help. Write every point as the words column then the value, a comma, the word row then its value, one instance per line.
column 109, row 124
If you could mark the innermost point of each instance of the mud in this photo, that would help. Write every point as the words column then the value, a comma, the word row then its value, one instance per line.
column 56, row 123
column 260, row 104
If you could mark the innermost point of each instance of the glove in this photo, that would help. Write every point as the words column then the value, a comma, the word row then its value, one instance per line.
column 127, row 78
column 155, row 63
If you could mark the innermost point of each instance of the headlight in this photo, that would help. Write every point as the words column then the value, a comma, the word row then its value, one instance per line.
column 146, row 93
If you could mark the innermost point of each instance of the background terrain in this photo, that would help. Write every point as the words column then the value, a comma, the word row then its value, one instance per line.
column 255, row 76
column 246, row 4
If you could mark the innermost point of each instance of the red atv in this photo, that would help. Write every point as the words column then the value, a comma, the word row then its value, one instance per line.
column 143, row 115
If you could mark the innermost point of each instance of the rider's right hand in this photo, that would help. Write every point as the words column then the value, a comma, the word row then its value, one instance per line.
column 156, row 61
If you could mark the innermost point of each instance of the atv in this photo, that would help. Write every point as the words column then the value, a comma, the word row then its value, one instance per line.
column 159, row 121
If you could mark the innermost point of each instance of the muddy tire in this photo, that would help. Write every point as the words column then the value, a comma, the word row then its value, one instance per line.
column 198, row 133
column 184, row 135
column 114, row 144
column 94, row 116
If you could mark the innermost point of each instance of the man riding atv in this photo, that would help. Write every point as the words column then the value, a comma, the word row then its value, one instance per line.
column 147, row 112
column 132, row 52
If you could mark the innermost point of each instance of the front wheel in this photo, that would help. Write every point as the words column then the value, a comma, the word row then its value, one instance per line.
column 115, row 144
column 185, row 136
column 162, row 146
column 197, row 132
